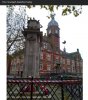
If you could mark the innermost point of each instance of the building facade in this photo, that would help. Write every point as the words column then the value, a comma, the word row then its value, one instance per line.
column 52, row 58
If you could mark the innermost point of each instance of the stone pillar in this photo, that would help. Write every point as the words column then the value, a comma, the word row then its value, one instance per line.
column 33, row 38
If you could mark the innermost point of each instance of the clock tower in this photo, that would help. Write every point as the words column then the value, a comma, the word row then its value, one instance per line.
column 53, row 33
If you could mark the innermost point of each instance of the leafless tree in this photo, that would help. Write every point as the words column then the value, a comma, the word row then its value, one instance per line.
column 16, row 20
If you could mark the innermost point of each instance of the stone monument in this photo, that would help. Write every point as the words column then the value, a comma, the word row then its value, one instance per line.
column 33, row 40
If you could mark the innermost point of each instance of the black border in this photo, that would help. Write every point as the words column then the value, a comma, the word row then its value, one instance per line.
column 44, row 2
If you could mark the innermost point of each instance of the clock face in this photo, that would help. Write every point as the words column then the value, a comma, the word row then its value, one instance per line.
column 56, row 31
column 49, row 31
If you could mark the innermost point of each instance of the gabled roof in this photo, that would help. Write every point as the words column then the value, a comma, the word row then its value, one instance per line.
column 72, row 55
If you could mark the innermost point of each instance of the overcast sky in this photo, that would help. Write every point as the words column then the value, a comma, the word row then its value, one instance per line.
column 72, row 29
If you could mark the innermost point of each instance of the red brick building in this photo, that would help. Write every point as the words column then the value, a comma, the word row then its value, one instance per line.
column 52, row 59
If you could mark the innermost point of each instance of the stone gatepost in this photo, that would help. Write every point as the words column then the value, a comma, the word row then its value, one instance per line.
column 33, row 37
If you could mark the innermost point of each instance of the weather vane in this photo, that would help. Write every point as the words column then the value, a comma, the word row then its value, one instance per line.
column 52, row 15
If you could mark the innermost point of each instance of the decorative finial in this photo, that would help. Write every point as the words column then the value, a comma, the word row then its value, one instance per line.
column 52, row 15
column 33, row 18
column 64, row 42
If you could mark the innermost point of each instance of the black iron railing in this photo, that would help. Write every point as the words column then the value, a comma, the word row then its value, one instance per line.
column 39, row 89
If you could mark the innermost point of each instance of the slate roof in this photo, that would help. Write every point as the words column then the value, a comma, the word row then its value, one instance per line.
column 52, row 22
column 72, row 55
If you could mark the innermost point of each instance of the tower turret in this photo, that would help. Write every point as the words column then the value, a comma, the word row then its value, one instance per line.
column 54, row 34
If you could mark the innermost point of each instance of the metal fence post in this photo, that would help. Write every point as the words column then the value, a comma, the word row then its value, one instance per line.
column 62, row 90
column 80, row 92
column 31, row 87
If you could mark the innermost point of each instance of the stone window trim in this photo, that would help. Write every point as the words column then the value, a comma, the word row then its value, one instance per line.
column 41, row 66
column 48, row 67
column 68, row 61
column 48, row 56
